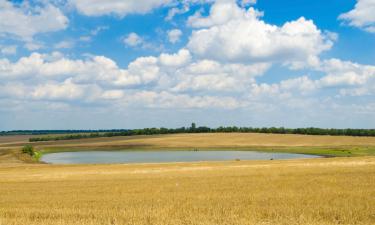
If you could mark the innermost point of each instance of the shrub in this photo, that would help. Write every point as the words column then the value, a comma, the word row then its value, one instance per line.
column 28, row 149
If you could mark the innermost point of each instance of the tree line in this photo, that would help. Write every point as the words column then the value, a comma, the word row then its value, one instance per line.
column 41, row 132
column 194, row 129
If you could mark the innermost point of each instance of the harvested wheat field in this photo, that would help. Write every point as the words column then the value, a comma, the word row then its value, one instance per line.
column 319, row 144
column 205, row 140
column 315, row 191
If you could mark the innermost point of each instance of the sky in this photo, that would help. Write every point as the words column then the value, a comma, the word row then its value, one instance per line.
column 109, row 64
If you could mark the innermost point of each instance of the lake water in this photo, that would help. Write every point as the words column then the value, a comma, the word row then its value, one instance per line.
column 105, row 157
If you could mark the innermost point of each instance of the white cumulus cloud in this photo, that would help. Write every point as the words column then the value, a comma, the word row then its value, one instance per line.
column 362, row 15
column 351, row 78
column 181, row 58
column 133, row 40
column 233, row 34
column 174, row 35
column 25, row 21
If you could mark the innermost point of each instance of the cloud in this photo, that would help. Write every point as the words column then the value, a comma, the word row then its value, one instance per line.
column 133, row 40
column 175, row 11
column 94, row 32
column 39, row 68
column 8, row 50
column 220, row 13
column 25, row 21
column 214, row 70
column 233, row 34
column 212, row 76
column 175, row 77
column 119, row 8
column 98, row 29
column 136, row 41
column 183, row 6
column 362, row 16
column 85, row 38
column 145, row 69
column 219, row 69
column 175, row 60
column 174, row 35
column 344, row 77
column 33, row 45
column 207, row 83
column 49, row 83
column 166, row 99
column 351, row 78
column 56, row 77
column 64, row 91
column 248, row 2
column 64, row 44
column 53, row 77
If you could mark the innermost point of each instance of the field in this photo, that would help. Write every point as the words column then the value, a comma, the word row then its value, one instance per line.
column 321, row 145
column 317, row 191
column 338, row 190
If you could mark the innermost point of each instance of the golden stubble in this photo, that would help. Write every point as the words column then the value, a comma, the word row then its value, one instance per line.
column 208, row 140
column 314, row 191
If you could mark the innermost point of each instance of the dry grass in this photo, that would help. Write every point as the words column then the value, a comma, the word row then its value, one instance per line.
column 213, row 140
column 205, row 140
column 251, row 139
column 319, row 145
column 316, row 191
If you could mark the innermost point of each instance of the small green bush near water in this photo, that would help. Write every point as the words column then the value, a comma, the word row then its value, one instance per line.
column 37, row 155
column 28, row 149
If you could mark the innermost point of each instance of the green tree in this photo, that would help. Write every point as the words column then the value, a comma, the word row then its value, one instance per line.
column 193, row 126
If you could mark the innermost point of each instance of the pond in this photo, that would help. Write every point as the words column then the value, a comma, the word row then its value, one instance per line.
column 105, row 157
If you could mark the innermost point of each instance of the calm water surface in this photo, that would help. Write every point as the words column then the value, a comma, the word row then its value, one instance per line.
column 99, row 157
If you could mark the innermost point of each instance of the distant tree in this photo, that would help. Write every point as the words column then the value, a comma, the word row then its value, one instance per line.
column 193, row 126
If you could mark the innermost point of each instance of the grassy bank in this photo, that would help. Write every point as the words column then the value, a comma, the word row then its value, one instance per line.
column 315, row 191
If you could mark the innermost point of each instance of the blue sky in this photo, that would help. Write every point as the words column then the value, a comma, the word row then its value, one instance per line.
column 95, row 64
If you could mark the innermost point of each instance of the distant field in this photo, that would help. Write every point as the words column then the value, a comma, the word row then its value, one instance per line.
column 315, row 191
column 321, row 145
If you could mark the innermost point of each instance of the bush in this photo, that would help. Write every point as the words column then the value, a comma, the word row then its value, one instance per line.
column 28, row 149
